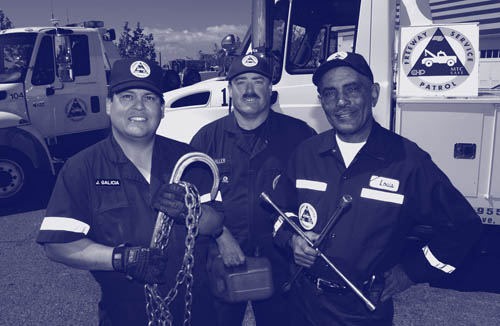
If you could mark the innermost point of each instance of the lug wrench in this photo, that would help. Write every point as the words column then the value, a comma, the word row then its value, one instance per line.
column 344, row 202
column 360, row 294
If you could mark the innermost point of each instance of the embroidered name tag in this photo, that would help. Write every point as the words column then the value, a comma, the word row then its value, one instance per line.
column 107, row 182
column 310, row 184
column 384, row 183
column 382, row 196
column 220, row 160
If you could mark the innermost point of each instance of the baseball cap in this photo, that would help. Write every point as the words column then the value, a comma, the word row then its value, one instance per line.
column 343, row 59
column 249, row 63
column 136, row 73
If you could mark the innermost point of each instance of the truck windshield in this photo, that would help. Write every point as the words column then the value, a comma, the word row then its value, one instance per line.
column 319, row 28
column 15, row 55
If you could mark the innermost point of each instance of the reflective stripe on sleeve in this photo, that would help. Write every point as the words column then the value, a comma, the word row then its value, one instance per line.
column 435, row 262
column 310, row 184
column 64, row 224
column 206, row 197
column 279, row 222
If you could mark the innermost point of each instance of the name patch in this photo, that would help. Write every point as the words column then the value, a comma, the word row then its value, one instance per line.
column 384, row 183
column 107, row 182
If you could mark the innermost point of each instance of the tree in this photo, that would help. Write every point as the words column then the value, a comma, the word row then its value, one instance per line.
column 5, row 22
column 136, row 44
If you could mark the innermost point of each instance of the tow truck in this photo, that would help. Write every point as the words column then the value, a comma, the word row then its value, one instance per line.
column 52, row 99
column 460, row 133
column 440, row 58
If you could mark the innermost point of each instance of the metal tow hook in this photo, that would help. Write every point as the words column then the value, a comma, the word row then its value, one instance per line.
column 179, row 168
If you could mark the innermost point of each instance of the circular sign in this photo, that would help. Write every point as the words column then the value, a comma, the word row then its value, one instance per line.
column 307, row 216
column 249, row 61
column 140, row 69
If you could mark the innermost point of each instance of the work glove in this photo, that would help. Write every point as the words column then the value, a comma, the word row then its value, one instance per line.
column 144, row 265
column 396, row 281
column 170, row 200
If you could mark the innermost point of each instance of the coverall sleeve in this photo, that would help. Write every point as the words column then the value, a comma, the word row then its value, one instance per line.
column 68, row 216
column 436, row 202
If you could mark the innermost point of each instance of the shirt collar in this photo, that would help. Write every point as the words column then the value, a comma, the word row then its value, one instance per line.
column 378, row 144
column 113, row 151
column 231, row 125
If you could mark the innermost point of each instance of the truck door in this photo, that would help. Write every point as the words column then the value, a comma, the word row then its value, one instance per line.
column 66, row 95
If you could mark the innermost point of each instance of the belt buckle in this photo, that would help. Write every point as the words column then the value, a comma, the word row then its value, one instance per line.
column 321, row 282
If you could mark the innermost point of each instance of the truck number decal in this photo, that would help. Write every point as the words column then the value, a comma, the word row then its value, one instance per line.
column 224, row 97
column 16, row 96
column 486, row 214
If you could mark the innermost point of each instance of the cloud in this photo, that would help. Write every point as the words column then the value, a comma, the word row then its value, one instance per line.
column 175, row 44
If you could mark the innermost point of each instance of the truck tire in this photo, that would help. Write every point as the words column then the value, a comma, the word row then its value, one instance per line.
column 428, row 63
column 16, row 176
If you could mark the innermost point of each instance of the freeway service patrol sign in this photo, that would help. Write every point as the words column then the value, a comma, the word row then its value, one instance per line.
column 439, row 60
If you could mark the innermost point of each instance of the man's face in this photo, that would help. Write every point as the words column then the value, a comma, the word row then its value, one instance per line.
column 135, row 113
column 251, row 94
column 347, row 98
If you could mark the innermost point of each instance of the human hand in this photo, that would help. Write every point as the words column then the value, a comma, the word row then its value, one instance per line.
column 396, row 281
column 303, row 254
column 230, row 250
column 145, row 265
column 170, row 200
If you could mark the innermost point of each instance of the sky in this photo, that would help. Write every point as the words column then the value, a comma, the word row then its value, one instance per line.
column 180, row 27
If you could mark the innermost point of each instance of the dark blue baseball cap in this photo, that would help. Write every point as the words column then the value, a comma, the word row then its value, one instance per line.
column 343, row 59
column 136, row 73
column 249, row 63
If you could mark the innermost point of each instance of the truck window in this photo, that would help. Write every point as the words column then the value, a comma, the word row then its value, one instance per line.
column 80, row 53
column 318, row 29
column 15, row 56
column 44, row 70
column 197, row 99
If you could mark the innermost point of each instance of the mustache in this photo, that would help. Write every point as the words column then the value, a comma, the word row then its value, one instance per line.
column 251, row 95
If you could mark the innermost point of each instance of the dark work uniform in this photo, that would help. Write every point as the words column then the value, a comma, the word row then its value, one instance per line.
column 102, row 196
column 395, row 186
column 249, row 162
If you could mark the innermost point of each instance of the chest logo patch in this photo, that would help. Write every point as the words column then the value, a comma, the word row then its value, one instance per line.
column 107, row 182
column 307, row 216
column 384, row 183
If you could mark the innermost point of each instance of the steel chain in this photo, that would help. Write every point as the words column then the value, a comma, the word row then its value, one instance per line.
column 157, row 307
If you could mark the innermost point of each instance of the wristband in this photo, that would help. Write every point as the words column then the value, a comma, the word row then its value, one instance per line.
column 117, row 258
column 218, row 234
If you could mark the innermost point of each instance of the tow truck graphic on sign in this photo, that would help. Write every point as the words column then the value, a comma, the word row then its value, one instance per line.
column 438, row 59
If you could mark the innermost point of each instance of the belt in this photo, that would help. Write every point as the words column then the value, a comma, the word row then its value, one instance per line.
column 327, row 286
column 324, row 285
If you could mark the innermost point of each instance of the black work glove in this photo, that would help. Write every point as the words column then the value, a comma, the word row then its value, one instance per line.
column 170, row 200
column 145, row 265
column 396, row 281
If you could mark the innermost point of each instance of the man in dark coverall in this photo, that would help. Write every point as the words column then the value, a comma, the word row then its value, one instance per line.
column 394, row 186
column 251, row 146
column 102, row 212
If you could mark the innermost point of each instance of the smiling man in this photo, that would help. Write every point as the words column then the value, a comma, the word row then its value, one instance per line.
column 251, row 146
column 394, row 186
column 105, row 203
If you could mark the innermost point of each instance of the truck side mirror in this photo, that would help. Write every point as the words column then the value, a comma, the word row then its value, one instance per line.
column 228, row 43
column 110, row 35
column 63, row 58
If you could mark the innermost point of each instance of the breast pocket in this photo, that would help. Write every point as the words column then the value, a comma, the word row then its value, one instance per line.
column 112, row 216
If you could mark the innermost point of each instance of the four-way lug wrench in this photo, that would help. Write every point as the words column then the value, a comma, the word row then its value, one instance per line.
column 297, row 229
column 344, row 202
column 179, row 168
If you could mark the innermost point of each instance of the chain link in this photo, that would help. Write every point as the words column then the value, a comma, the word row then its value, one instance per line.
column 157, row 307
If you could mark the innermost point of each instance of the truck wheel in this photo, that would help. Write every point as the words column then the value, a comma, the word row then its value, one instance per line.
column 16, row 172
column 428, row 63
column 450, row 63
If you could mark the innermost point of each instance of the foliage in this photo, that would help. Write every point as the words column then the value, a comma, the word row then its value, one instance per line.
column 5, row 22
column 136, row 44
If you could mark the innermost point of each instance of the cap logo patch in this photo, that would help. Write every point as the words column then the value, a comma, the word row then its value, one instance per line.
column 337, row 55
column 307, row 216
column 140, row 69
column 249, row 61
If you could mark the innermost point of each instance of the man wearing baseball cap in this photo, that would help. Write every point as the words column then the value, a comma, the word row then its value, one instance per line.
column 394, row 186
column 105, row 203
column 251, row 146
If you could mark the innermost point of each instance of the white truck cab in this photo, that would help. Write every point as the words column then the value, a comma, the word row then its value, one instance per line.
column 52, row 98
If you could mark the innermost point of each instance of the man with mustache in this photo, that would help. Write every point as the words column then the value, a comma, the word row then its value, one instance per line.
column 251, row 146
column 104, row 206
column 394, row 186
